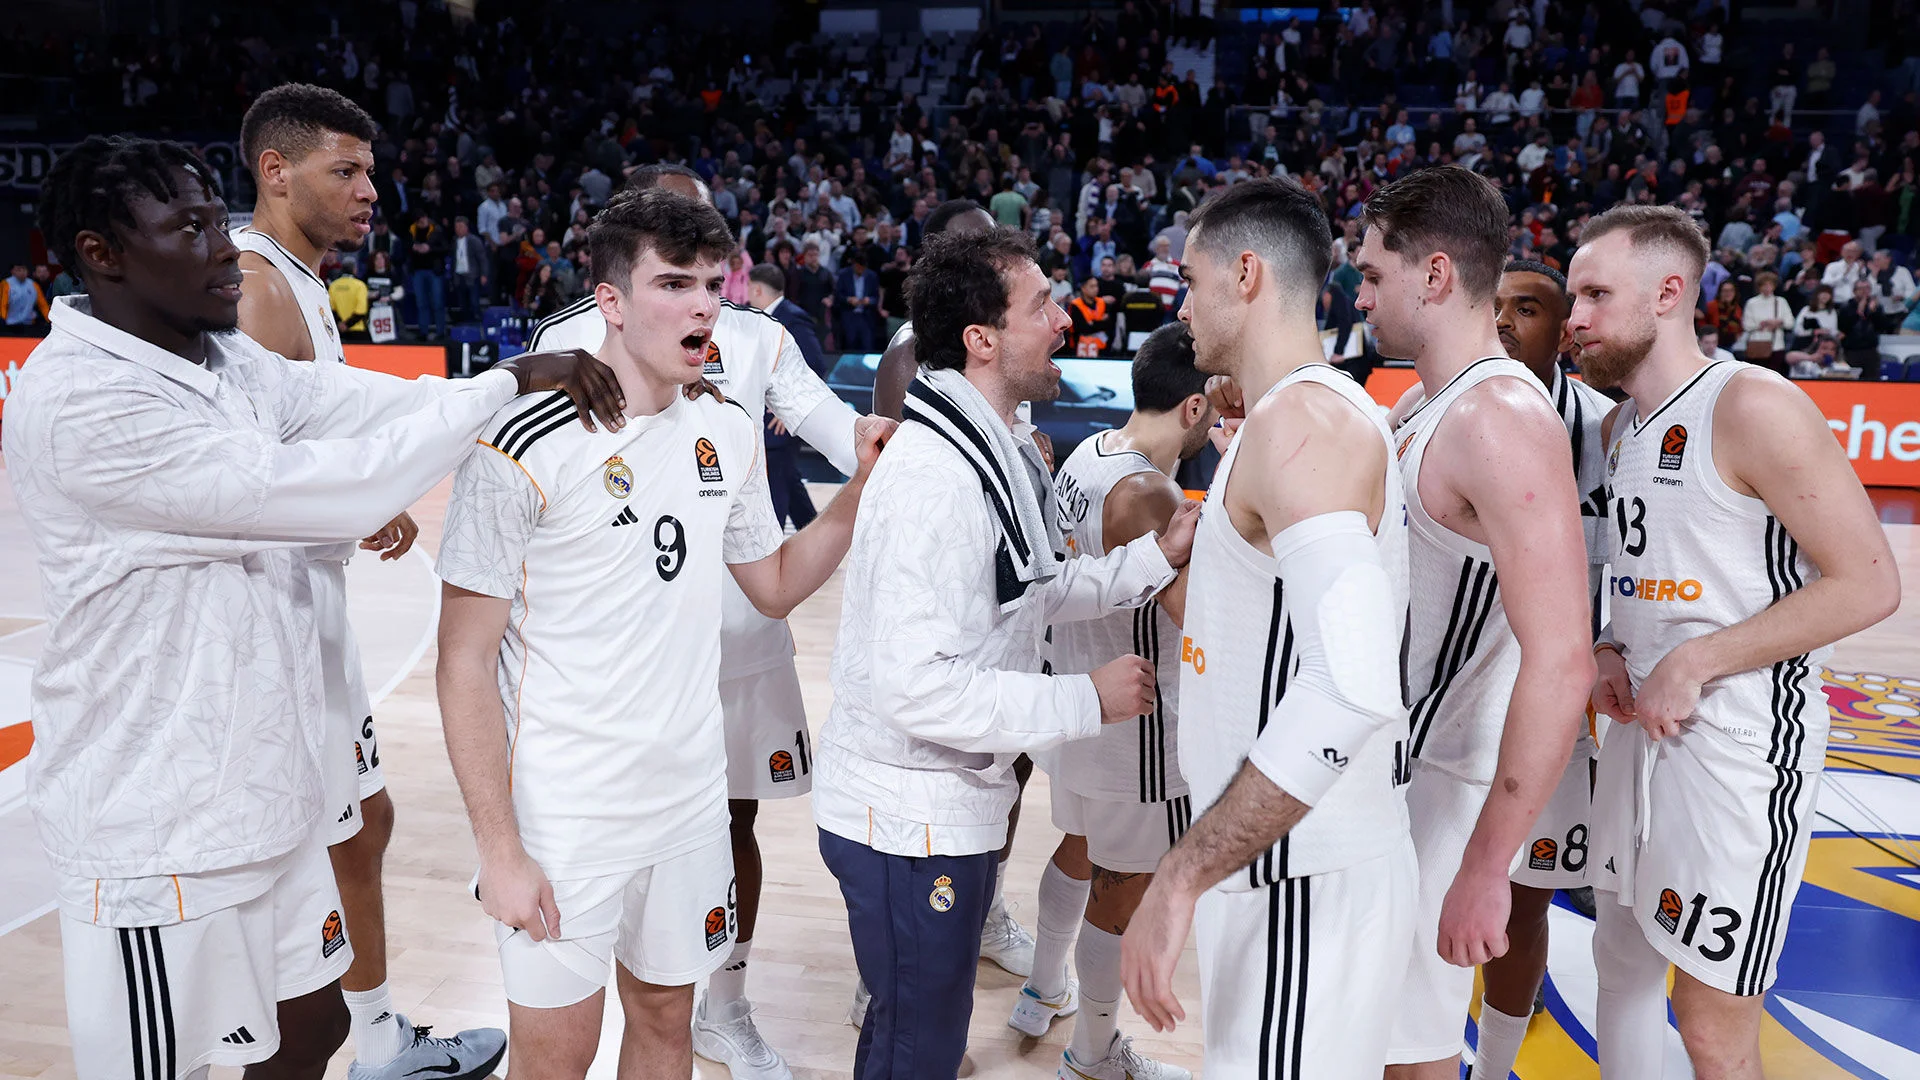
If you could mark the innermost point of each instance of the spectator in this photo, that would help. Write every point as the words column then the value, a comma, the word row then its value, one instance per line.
column 468, row 268
column 1723, row 313
column 1008, row 206
column 1844, row 271
column 1893, row 286
column 856, row 291
column 347, row 295
column 1860, row 323
column 23, row 302
column 492, row 209
column 734, row 286
column 542, row 295
column 1817, row 318
column 1627, row 77
column 65, row 283
column 893, row 284
column 1163, row 272
column 427, row 247
column 1819, row 359
column 1766, row 320
column 1710, row 346
column 811, row 286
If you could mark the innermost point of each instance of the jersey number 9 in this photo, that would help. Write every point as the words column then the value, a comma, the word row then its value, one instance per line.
column 671, row 539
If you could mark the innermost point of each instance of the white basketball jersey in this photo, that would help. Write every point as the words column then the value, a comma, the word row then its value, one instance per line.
column 1461, row 656
column 1238, row 655
column 310, row 295
column 1584, row 410
column 1135, row 760
column 749, row 357
column 1693, row 556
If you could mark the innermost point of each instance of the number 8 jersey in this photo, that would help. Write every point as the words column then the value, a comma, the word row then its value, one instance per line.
column 1692, row 556
column 612, row 547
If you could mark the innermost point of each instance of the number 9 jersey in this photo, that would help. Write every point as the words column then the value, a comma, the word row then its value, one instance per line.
column 612, row 547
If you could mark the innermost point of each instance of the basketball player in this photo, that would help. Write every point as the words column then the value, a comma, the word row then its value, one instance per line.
column 1291, row 724
column 1530, row 314
column 310, row 151
column 1119, row 796
column 1745, row 548
column 580, row 655
column 1499, row 630
column 1004, row 941
column 170, row 471
column 754, row 361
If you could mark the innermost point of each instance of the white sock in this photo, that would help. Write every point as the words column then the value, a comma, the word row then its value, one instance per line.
column 1098, row 959
column 1631, row 1015
column 1063, row 907
column 376, row 1030
column 727, row 988
column 1500, row 1039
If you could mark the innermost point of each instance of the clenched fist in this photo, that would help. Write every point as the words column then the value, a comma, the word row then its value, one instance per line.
column 1125, row 687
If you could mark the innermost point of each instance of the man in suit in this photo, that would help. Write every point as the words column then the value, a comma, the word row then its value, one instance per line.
column 469, row 268
column 766, row 286
column 856, row 292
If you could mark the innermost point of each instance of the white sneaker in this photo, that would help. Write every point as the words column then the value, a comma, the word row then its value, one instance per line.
column 465, row 1056
column 737, row 1044
column 858, row 1014
column 1122, row 1062
column 1005, row 942
column 1033, row 1014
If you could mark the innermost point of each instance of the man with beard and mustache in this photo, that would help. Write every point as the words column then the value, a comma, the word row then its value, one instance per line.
column 310, row 152
column 958, row 565
column 1745, row 548
column 172, row 473
column 1499, row 631
column 1300, row 876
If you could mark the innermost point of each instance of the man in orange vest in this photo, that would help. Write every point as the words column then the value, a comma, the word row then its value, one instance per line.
column 1092, row 325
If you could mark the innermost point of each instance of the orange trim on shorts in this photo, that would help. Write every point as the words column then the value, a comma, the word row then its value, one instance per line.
column 96, row 901
column 179, row 900
column 929, row 829
column 869, row 826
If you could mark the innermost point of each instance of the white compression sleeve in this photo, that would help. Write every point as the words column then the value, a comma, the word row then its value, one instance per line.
column 1347, row 631
column 829, row 429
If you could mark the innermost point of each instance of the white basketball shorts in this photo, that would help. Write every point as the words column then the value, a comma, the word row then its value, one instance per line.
column 1558, row 854
column 1298, row 980
column 1125, row 837
column 352, row 768
column 1431, row 1003
column 162, row 1001
column 769, row 750
column 1707, row 842
column 670, row 924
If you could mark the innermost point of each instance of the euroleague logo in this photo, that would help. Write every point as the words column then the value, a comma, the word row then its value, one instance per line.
column 711, row 365
column 1673, row 447
column 333, row 935
column 1545, row 854
column 1669, row 914
column 716, row 928
column 707, row 458
column 780, row 765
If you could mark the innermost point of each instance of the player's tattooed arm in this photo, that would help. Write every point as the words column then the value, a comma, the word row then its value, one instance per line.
column 1250, row 816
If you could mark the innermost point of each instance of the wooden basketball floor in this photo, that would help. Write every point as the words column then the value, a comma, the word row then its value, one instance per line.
column 1848, row 1004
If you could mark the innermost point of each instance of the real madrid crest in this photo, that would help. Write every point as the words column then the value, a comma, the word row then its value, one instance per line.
column 619, row 478
column 941, row 898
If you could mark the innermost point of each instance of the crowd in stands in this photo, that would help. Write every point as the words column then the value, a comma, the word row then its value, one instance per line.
column 504, row 132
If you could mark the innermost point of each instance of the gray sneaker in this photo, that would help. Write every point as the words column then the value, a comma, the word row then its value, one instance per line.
column 470, row 1055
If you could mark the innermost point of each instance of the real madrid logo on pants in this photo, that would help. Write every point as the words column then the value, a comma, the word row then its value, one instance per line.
column 941, row 898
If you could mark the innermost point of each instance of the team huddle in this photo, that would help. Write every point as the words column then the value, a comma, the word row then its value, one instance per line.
column 1352, row 720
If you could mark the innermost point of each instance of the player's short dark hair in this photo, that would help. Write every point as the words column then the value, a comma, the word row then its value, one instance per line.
column 679, row 229
column 1274, row 218
column 293, row 117
column 92, row 187
column 944, row 214
column 1668, row 228
column 769, row 275
column 1448, row 209
column 649, row 176
column 956, row 284
column 1163, row 371
column 1535, row 266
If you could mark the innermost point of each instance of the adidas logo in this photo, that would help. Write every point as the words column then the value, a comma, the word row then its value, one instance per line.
column 626, row 518
column 382, row 1018
column 239, row 1038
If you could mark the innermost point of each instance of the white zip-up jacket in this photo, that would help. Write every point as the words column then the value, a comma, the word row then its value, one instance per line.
column 177, row 705
column 936, row 689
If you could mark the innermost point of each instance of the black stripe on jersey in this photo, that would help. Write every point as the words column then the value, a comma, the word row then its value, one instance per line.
column 1783, row 828
column 1641, row 425
column 1271, row 865
column 1472, row 604
column 534, row 415
column 1151, row 624
column 555, row 319
column 749, row 309
column 567, row 415
column 1789, row 699
column 1146, row 785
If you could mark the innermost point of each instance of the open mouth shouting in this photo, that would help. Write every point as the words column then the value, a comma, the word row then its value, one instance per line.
column 695, row 346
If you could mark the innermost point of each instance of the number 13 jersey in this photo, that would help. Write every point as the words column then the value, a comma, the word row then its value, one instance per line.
column 612, row 547
column 1693, row 556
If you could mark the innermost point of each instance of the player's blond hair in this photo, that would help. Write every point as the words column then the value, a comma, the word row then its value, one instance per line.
column 1664, row 228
